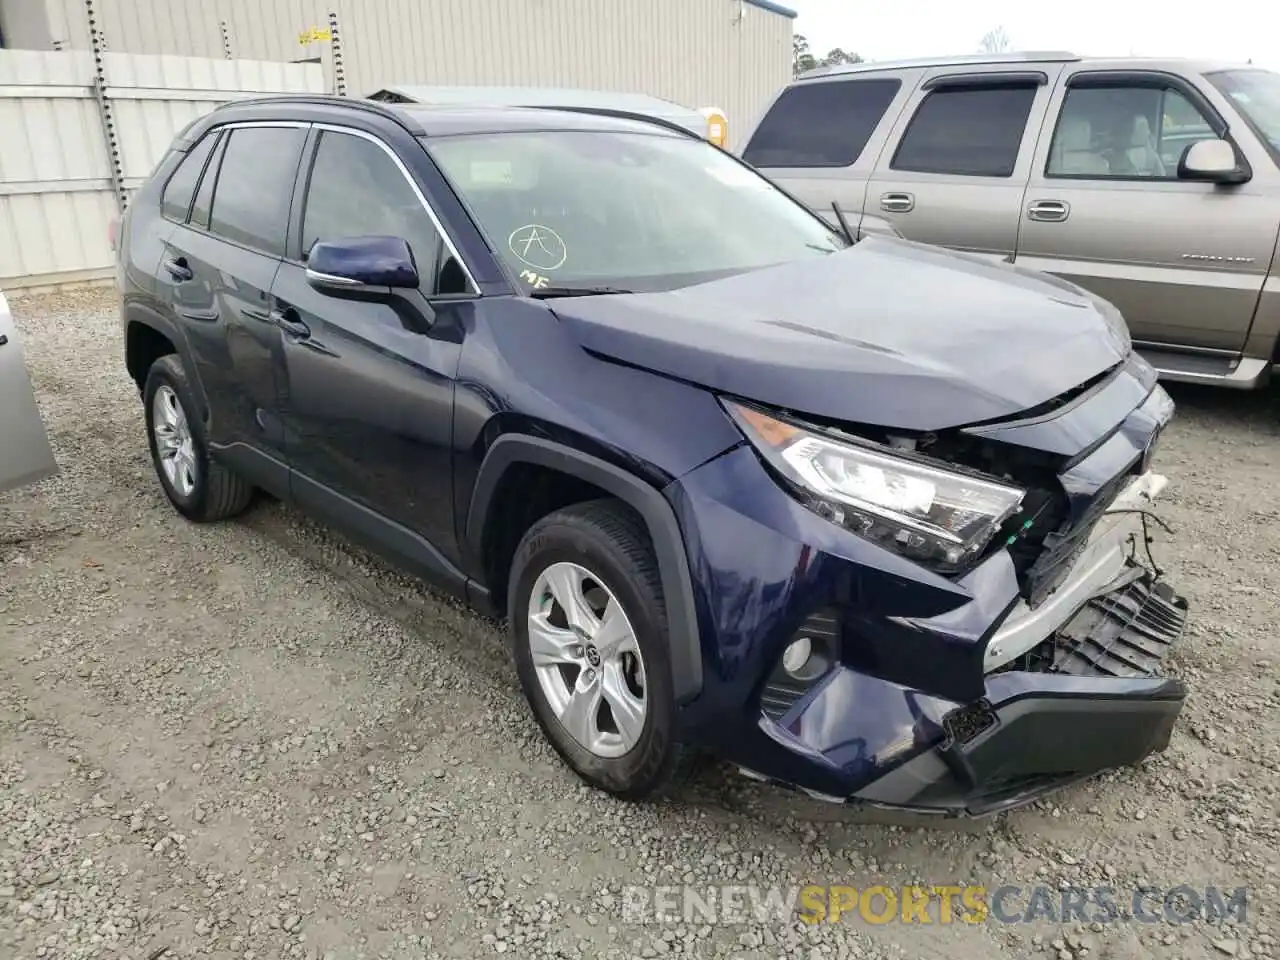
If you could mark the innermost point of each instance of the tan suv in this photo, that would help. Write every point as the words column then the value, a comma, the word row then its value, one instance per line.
column 1153, row 183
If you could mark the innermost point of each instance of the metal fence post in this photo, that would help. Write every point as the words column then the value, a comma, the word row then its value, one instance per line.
column 335, row 47
column 106, row 112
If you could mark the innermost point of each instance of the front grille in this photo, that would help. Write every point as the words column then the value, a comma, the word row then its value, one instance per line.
column 1128, row 633
column 1061, row 547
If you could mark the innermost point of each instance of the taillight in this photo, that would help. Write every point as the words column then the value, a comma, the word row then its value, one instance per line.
column 113, row 232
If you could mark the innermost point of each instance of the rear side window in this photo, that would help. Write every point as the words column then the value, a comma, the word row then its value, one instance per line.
column 204, row 195
column 967, row 131
column 255, row 185
column 821, row 124
column 176, row 199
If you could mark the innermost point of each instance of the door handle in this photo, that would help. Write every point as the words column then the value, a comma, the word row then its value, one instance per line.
column 1049, row 211
column 178, row 269
column 289, row 321
column 897, row 202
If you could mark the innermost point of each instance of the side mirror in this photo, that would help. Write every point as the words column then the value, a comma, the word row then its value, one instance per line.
column 1211, row 161
column 360, row 266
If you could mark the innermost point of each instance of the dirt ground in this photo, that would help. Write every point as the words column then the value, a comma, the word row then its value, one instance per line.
column 251, row 740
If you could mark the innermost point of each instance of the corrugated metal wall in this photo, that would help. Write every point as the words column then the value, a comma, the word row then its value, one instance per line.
column 56, row 196
column 700, row 53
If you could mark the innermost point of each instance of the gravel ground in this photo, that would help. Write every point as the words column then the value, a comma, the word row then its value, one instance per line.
column 252, row 740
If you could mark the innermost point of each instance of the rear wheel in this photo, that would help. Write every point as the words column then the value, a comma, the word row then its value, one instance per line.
column 589, row 636
column 198, row 488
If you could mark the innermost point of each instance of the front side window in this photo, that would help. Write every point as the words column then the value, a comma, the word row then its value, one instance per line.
column 1256, row 94
column 355, row 190
column 967, row 131
column 1123, row 130
column 255, row 186
column 640, row 211
column 176, row 199
column 822, row 124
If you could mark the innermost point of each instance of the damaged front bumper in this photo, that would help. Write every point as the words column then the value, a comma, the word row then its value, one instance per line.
column 1071, row 687
column 959, row 697
column 1090, row 698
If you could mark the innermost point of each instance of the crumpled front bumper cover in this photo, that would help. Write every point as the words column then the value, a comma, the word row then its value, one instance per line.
column 1088, row 700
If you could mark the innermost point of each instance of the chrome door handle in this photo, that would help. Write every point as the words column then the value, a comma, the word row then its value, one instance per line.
column 1049, row 211
column 897, row 202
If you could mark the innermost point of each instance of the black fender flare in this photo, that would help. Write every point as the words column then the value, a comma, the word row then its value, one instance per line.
column 145, row 316
column 647, row 501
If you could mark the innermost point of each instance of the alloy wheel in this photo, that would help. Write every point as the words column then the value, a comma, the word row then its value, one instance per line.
column 175, row 447
column 587, row 659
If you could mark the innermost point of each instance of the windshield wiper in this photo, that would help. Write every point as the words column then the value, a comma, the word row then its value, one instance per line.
column 542, row 293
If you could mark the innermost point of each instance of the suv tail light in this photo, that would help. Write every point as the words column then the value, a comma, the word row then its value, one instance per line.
column 113, row 233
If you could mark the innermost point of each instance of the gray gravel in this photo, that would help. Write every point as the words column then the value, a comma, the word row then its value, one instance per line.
column 252, row 740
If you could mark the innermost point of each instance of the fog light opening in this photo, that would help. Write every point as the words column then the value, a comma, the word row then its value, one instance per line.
column 798, row 653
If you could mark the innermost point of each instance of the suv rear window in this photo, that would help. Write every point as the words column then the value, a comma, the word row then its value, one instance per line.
column 967, row 131
column 823, row 124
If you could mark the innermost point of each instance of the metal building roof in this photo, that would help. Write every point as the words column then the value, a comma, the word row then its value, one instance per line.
column 773, row 7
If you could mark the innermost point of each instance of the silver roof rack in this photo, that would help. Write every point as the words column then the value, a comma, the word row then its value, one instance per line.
column 973, row 59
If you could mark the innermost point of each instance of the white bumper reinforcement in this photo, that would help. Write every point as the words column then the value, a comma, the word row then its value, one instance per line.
column 1114, row 539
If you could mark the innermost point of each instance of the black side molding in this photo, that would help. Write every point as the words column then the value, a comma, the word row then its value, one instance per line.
column 664, row 530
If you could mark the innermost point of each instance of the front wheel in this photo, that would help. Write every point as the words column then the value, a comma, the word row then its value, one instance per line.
column 589, row 636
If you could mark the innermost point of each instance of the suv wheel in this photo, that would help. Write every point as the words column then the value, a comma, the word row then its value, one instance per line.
column 200, row 489
column 589, row 635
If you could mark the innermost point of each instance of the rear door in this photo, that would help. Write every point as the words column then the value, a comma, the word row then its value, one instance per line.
column 958, row 160
column 1183, row 261
column 218, row 268
column 820, row 138
column 25, row 455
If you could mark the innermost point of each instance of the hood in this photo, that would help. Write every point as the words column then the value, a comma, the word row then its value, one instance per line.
column 886, row 333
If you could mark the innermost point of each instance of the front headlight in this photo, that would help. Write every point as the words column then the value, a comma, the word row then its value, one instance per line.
column 926, row 513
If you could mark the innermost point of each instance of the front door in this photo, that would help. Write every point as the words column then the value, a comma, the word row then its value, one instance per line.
column 955, row 167
column 1183, row 261
column 367, row 392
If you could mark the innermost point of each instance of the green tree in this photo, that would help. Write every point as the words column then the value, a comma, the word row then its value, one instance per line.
column 995, row 41
column 801, row 58
column 838, row 56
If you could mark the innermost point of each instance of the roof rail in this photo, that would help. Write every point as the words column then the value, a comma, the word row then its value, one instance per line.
column 972, row 59
column 619, row 114
column 315, row 99
column 329, row 100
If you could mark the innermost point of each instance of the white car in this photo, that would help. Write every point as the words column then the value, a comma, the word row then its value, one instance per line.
column 25, row 454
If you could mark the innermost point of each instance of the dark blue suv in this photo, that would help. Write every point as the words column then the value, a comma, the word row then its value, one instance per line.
column 865, row 518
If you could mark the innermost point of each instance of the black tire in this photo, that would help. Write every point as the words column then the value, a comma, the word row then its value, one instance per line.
column 217, row 494
column 610, row 541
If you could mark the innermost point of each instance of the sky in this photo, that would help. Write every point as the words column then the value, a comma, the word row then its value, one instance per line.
column 1243, row 30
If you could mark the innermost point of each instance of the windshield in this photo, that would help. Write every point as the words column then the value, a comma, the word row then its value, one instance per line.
column 634, row 211
column 1256, row 94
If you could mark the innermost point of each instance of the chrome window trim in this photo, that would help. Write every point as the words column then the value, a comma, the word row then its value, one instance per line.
column 404, row 171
